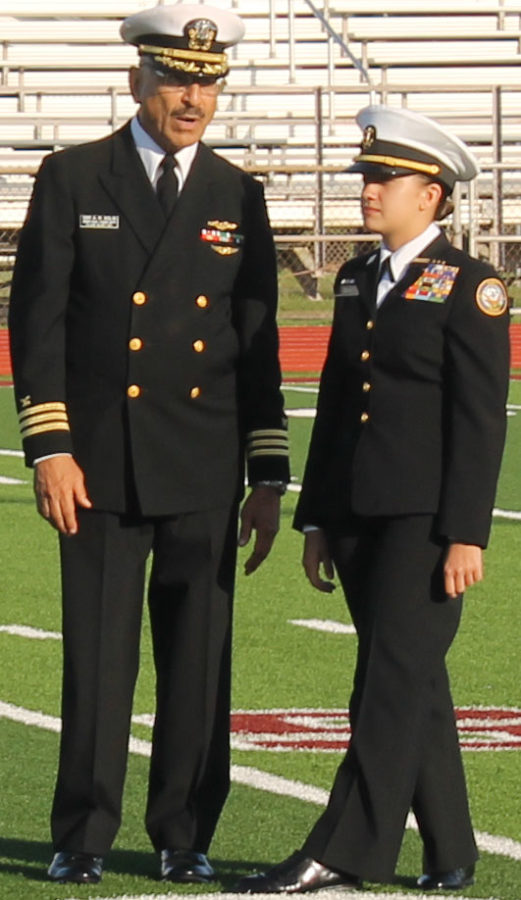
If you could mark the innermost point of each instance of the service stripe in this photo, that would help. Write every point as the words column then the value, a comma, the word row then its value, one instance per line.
column 40, row 429
column 270, row 452
column 267, row 432
column 44, row 417
column 268, row 442
column 41, row 407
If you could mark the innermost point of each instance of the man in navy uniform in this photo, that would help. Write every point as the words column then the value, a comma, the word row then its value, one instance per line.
column 398, row 495
column 145, row 356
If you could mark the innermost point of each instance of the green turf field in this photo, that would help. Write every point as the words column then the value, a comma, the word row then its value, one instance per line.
column 277, row 665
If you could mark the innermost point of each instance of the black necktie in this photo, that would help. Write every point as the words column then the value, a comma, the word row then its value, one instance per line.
column 385, row 269
column 168, row 185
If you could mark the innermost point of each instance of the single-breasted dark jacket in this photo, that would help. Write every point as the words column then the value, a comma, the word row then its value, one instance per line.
column 148, row 348
column 411, row 412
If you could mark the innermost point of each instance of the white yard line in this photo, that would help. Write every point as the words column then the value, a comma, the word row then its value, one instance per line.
column 35, row 634
column 4, row 479
column 507, row 514
column 302, row 413
column 301, row 389
column 324, row 625
column 264, row 781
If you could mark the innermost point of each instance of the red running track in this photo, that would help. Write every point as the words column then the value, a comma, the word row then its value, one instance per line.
column 302, row 348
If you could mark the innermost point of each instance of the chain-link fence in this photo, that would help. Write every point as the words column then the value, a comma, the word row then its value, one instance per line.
column 315, row 214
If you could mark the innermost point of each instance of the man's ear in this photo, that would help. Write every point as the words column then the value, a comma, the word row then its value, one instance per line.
column 134, row 80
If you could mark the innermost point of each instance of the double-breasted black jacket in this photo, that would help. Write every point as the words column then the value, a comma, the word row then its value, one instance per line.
column 148, row 350
column 411, row 412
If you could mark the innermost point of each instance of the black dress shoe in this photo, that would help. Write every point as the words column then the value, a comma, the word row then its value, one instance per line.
column 81, row 868
column 186, row 866
column 295, row 875
column 454, row 880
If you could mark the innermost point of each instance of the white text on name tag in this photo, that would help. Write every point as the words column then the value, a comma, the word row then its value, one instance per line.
column 98, row 221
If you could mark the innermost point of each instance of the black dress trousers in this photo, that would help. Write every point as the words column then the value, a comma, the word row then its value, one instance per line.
column 190, row 599
column 404, row 750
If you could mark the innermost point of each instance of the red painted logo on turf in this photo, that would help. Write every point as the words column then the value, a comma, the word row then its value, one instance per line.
column 327, row 730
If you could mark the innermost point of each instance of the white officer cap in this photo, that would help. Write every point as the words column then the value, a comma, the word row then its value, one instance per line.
column 186, row 37
column 402, row 142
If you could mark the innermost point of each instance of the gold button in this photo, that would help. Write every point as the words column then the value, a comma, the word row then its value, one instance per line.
column 365, row 355
column 139, row 298
column 369, row 325
column 133, row 391
column 364, row 418
column 366, row 386
column 202, row 302
column 195, row 393
column 135, row 344
column 199, row 346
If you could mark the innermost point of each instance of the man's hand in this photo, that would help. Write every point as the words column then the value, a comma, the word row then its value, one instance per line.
column 59, row 486
column 463, row 568
column 315, row 554
column 261, row 513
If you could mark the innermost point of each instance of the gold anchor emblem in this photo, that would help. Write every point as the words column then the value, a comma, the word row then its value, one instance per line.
column 201, row 34
column 369, row 137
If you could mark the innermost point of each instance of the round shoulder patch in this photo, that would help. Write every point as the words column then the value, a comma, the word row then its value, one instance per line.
column 491, row 297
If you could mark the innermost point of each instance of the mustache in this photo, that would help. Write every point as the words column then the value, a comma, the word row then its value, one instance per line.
column 194, row 112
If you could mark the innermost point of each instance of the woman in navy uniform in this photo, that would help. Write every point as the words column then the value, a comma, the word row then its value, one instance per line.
column 398, row 495
column 144, row 344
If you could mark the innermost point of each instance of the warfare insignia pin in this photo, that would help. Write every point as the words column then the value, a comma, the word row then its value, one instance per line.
column 201, row 34
column 223, row 226
column 369, row 137
column 225, row 251
column 491, row 297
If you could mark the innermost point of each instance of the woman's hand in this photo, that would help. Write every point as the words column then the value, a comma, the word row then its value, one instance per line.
column 463, row 568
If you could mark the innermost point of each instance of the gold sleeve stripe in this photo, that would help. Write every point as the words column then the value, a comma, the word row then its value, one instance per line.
column 269, row 442
column 40, row 429
column 42, row 407
column 271, row 452
column 45, row 417
column 267, row 432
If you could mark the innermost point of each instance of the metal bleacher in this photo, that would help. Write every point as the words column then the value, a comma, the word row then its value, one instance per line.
column 292, row 92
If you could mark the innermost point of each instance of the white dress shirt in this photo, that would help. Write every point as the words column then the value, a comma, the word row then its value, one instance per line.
column 152, row 155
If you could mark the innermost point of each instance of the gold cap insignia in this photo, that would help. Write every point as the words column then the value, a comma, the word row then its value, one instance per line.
column 201, row 34
column 369, row 137
column 491, row 297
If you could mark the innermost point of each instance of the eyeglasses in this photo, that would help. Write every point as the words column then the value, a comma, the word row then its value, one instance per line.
column 181, row 81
